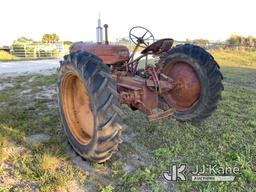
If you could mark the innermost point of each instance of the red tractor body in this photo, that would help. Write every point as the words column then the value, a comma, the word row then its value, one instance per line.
column 110, row 54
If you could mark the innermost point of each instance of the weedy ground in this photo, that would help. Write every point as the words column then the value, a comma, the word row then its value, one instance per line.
column 29, row 110
column 6, row 57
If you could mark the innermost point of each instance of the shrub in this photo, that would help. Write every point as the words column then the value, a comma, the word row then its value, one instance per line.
column 4, row 56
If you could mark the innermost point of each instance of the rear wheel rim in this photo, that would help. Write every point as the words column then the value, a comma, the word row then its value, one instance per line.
column 76, row 107
column 187, row 92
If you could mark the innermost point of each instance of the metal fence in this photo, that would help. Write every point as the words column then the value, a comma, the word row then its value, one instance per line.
column 39, row 50
column 213, row 45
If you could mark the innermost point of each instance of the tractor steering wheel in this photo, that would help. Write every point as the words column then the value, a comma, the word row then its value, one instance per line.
column 143, row 36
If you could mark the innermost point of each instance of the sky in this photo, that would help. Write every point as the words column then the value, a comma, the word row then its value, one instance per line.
column 76, row 20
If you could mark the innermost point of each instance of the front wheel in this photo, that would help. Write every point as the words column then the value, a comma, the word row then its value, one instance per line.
column 199, row 82
column 89, row 106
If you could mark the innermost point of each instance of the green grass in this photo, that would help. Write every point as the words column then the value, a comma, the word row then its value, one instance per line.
column 45, row 165
column 227, row 138
column 236, row 57
column 4, row 56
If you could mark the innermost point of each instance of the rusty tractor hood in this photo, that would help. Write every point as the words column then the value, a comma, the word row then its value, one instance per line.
column 110, row 54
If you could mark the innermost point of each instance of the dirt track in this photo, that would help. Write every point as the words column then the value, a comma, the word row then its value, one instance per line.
column 19, row 67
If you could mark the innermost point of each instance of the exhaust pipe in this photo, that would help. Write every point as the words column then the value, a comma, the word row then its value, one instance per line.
column 99, row 37
column 106, row 34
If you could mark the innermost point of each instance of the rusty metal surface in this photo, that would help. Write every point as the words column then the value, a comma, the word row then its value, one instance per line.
column 159, row 81
column 133, row 91
column 187, row 90
column 164, row 86
column 164, row 114
column 158, row 47
column 143, row 93
column 144, row 99
column 76, row 108
column 106, row 34
column 154, row 76
column 177, row 83
column 110, row 54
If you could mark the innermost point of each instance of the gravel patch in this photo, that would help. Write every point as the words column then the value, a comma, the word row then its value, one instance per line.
column 38, row 138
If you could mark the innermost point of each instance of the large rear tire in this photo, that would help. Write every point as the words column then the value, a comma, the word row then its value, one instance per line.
column 200, row 82
column 89, row 106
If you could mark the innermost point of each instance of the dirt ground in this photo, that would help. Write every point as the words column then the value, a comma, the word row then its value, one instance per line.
column 21, row 67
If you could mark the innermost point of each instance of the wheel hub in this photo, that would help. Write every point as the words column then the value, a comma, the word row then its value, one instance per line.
column 76, row 107
column 187, row 91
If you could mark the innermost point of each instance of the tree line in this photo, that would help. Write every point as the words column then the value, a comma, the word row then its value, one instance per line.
column 27, row 47
column 46, row 38
column 240, row 40
column 234, row 39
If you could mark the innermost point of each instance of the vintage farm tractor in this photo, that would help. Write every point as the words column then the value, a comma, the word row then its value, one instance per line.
column 94, row 79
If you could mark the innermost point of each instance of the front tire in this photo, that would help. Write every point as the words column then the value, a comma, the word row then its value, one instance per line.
column 200, row 79
column 89, row 106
